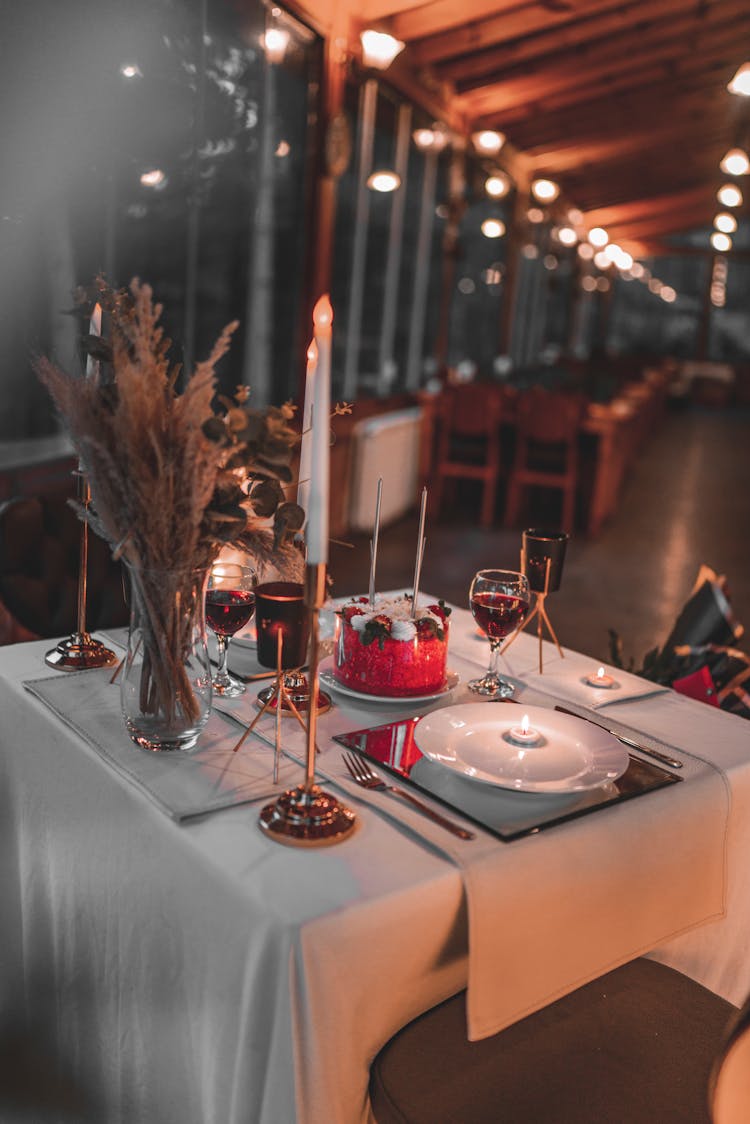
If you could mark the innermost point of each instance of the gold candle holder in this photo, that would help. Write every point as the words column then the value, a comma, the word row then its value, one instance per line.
column 306, row 816
column 539, row 610
column 80, row 651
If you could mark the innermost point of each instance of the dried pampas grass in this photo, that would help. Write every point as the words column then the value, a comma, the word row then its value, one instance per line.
column 151, row 470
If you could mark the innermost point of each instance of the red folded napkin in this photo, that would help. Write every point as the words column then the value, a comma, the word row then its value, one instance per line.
column 699, row 685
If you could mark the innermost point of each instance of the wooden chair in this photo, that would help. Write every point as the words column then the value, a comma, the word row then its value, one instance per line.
column 635, row 1046
column 730, row 1080
column 39, row 562
column 469, row 442
column 547, row 425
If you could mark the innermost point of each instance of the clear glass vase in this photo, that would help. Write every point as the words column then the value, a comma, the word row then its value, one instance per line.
column 165, row 686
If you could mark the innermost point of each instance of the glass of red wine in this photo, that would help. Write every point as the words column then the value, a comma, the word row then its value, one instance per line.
column 499, row 602
column 230, row 603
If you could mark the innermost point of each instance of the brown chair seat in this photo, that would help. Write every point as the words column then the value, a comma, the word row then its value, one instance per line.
column 730, row 1081
column 635, row 1046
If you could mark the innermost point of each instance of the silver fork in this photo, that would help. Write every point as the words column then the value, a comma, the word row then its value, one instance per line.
column 366, row 776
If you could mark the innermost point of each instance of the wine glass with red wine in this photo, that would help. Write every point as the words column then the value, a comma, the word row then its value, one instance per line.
column 499, row 602
column 230, row 603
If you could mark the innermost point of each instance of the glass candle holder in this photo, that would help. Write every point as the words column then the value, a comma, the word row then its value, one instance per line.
column 280, row 608
column 542, row 551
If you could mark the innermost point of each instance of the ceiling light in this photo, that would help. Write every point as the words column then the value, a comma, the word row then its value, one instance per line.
column 612, row 251
column 384, row 180
column 497, row 185
column 729, row 195
column 488, row 141
column 379, row 49
column 598, row 236
column 154, row 178
column 740, row 84
column 130, row 70
column 275, row 42
column 721, row 242
column 493, row 228
column 435, row 138
column 735, row 163
column 567, row 236
column 545, row 190
column 601, row 261
column 725, row 222
column 423, row 139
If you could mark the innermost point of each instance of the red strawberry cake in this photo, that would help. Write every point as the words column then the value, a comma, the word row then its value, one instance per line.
column 380, row 650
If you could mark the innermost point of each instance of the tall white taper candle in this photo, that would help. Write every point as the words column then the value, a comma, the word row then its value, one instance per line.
column 317, row 510
column 305, row 450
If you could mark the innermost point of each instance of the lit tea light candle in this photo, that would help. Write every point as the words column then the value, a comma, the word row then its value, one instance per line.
column 601, row 679
column 525, row 734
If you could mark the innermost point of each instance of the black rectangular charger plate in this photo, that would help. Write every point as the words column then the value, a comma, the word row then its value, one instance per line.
column 507, row 814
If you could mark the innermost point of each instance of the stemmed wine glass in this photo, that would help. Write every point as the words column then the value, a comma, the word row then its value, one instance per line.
column 499, row 602
column 230, row 603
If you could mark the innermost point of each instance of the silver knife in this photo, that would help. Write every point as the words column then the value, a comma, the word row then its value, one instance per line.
column 657, row 756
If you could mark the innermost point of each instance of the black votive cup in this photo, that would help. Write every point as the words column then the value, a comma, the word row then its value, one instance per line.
column 538, row 549
column 280, row 607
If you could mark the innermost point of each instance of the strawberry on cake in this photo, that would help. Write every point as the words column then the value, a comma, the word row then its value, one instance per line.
column 380, row 650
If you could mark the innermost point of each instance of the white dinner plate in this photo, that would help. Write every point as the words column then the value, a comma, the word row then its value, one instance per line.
column 472, row 741
column 328, row 681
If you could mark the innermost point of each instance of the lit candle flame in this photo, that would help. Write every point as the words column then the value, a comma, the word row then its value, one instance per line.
column 525, row 724
column 323, row 316
column 600, row 673
column 312, row 352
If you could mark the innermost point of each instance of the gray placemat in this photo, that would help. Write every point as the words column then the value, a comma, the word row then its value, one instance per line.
column 183, row 785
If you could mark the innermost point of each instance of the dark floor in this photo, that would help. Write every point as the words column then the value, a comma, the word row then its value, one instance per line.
column 686, row 502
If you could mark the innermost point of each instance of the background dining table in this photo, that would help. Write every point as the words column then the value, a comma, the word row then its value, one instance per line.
column 179, row 965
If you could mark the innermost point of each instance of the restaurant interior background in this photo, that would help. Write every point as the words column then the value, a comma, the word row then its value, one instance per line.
column 224, row 152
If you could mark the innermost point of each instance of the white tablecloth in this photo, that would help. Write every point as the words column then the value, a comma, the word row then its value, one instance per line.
column 200, row 972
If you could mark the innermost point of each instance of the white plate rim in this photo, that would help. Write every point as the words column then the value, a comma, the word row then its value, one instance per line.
column 330, row 683
column 611, row 757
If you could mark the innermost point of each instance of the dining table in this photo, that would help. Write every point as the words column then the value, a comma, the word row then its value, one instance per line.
column 179, row 965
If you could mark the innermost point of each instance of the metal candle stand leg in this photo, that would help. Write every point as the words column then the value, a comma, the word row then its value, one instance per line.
column 80, row 651
column 306, row 816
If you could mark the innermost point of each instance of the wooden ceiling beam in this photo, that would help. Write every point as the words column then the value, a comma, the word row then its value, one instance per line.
column 439, row 16
column 579, row 154
column 660, row 225
column 466, row 34
column 378, row 11
column 654, row 205
column 627, row 70
column 568, row 38
column 559, row 130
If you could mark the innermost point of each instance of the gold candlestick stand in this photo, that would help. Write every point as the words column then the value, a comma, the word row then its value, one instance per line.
column 306, row 816
column 80, row 651
column 540, row 612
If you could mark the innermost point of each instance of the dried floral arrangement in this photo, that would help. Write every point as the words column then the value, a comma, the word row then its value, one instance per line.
column 174, row 472
column 173, row 477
